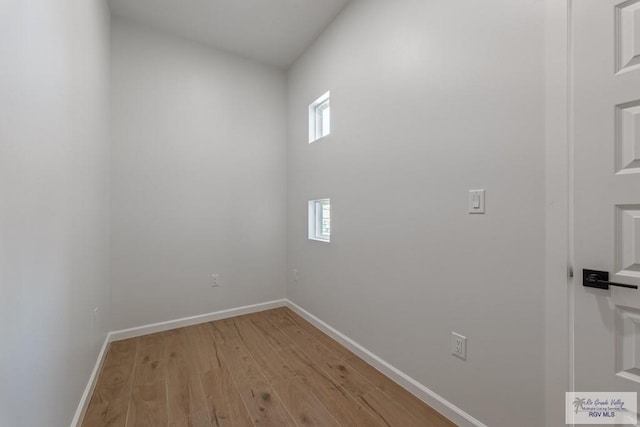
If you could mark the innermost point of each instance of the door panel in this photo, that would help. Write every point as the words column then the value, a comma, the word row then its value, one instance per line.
column 606, row 210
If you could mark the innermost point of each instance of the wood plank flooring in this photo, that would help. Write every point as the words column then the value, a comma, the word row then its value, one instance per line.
column 265, row 369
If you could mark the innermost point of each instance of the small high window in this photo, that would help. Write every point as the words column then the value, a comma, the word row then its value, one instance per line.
column 320, row 220
column 319, row 118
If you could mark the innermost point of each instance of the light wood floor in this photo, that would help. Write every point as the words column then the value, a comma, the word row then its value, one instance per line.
column 266, row 369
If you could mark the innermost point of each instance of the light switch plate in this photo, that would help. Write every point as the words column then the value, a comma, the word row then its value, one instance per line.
column 476, row 201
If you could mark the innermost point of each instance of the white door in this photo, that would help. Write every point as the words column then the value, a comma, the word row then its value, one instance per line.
column 606, row 179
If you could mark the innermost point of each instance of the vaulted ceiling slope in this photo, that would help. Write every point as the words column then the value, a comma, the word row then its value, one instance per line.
column 275, row 32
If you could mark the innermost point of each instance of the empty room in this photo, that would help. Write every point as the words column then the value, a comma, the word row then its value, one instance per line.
column 319, row 213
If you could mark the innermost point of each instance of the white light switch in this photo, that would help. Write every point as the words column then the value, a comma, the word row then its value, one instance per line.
column 476, row 201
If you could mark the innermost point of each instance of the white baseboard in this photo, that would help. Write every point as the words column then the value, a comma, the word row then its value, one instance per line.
column 91, row 385
column 160, row 327
column 194, row 320
column 440, row 404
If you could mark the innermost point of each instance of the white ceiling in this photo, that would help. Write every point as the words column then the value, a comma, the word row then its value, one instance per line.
column 271, row 31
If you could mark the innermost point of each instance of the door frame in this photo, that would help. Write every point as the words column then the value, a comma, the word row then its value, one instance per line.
column 559, row 339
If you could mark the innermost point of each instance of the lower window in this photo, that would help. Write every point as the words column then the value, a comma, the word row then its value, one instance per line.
column 320, row 220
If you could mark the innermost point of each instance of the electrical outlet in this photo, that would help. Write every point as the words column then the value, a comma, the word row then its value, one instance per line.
column 296, row 276
column 459, row 345
column 215, row 280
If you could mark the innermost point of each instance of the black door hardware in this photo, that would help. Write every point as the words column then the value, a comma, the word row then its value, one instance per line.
column 600, row 280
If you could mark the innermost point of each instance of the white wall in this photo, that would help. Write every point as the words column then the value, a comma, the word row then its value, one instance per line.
column 198, row 178
column 429, row 100
column 54, row 205
column 557, row 298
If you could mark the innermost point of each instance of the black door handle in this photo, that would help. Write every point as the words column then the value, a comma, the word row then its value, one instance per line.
column 600, row 280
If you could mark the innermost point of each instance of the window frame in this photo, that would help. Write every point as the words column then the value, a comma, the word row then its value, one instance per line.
column 316, row 217
column 316, row 117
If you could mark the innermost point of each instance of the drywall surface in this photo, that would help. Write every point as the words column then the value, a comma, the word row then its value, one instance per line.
column 429, row 100
column 558, row 289
column 198, row 179
column 54, row 205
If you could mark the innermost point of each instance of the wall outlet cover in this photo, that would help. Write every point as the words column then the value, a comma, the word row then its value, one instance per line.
column 459, row 345
column 215, row 280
